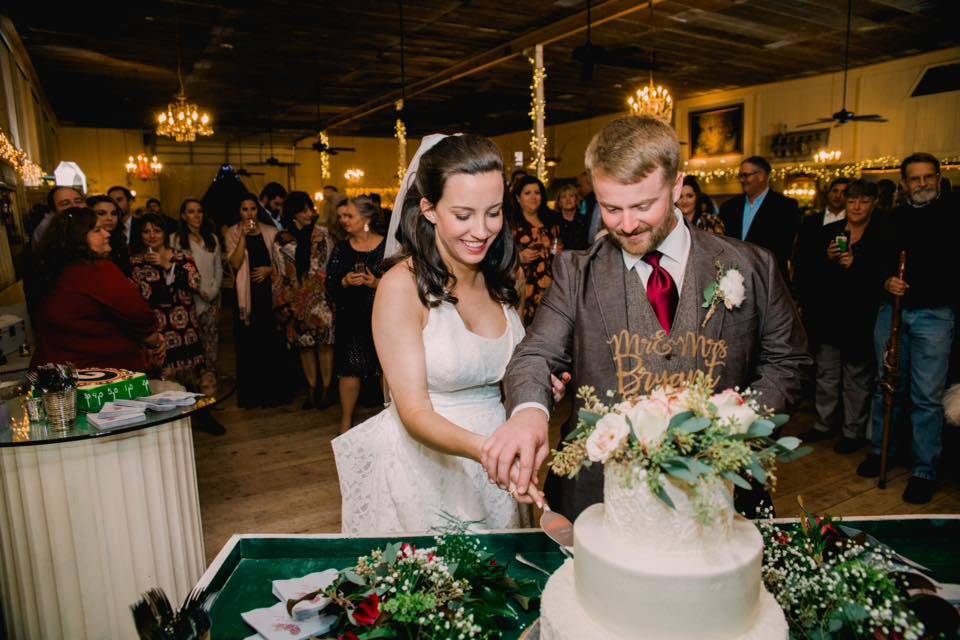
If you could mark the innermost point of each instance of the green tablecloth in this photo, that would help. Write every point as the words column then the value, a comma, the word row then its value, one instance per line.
column 245, row 570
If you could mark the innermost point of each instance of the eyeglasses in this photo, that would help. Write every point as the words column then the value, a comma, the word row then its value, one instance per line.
column 743, row 175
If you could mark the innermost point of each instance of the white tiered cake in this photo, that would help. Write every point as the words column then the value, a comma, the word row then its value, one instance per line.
column 643, row 570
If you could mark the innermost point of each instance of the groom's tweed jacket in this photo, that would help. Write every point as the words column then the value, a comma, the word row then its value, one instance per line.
column 593, row 298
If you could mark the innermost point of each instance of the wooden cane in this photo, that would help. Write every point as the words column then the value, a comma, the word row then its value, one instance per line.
column 891, row 368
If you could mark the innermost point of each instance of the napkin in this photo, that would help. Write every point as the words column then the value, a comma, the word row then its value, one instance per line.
column 295, row 588
column 273, row 623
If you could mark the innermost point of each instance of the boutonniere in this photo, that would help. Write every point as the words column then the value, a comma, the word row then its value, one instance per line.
column 726, row 288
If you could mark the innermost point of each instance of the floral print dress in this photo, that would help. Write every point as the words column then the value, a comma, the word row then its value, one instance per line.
column 537, row 274
column 170, row 295
column 305, row 312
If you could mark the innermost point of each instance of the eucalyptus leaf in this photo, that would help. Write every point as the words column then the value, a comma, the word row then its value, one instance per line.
column 589, row 418
column 779, row 419
column 662, row 494
column 696, row 466
column 789, row 442
column 632, row 436
column 694, row 425
column 390, row 553
column 680, row 472
column 709, row 294
column 760, row 429
column 796, row 454
column 757, row 471
column 855, row 612
column 736, row 479
column 679, row 419
column 351, row 576
column 381, row 632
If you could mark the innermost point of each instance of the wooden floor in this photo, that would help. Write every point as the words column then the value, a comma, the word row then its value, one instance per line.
column 274, row 472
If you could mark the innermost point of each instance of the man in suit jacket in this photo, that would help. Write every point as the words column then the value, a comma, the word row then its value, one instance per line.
column 761, row 215
column 618, row 285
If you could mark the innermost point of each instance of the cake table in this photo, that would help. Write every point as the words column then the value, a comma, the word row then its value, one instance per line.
column 90, row 519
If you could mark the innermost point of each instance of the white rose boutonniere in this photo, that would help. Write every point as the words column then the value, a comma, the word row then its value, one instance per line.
column 728, row 288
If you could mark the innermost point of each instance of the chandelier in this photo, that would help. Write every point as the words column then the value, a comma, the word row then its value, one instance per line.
column 143, row 167
column 182, row 120
column 653, row 101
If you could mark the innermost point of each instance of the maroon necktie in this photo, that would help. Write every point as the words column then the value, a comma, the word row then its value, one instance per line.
column 661, row 291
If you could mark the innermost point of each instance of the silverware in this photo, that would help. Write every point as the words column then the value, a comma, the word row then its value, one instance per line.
column 519, row 558
column 557, row 527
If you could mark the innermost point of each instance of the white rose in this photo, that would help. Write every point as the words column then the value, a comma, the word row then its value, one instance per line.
column 731, row 406
column 679, row 402
column 611, row 431
column 731, row 286
column 650, row 419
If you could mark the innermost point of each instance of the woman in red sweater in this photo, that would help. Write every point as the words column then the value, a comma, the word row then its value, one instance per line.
column 89, row 313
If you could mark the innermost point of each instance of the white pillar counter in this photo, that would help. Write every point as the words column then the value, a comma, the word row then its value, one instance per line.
column 90, row 519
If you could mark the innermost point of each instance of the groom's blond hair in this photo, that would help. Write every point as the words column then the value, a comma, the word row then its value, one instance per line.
column 632, row 147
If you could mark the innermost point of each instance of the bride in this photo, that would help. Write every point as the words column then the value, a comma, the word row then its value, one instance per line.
column 445, row 325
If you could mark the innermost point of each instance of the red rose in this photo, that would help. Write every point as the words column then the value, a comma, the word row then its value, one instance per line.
column 367, row 611
column 407, row 550
column 493, row 563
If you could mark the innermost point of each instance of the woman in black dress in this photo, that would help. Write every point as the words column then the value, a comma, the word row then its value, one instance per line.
column 262, row 379
column 353, row 274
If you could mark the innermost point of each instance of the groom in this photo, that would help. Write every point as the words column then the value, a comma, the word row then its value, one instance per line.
column 648, row 275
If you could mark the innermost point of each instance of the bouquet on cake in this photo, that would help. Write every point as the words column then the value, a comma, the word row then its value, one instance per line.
column 688, row 434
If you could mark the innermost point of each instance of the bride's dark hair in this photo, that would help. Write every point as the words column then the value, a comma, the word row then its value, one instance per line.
column 471, row 155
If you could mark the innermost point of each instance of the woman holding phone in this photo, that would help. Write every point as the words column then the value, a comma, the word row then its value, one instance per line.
column 353, row 274
column 251, row 252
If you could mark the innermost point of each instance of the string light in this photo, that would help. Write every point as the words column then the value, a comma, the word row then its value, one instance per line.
column 825, row 156
column 400, row 132
column 353, row 175
column 324, row 156
column 28, row 170
column 538, row 108
column 820, row 171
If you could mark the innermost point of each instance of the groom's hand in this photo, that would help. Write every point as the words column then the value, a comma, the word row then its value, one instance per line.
column 524, row 435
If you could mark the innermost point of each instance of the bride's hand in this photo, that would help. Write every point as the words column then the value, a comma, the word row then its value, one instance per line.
column 524, row 435
column 533, row 494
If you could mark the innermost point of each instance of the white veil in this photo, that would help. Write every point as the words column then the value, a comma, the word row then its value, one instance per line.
column 393, row 247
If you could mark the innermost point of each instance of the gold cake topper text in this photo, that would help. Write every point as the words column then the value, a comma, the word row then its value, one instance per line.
column 630, row 351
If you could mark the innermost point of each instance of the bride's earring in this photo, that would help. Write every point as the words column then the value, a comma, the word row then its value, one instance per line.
column 366, row 227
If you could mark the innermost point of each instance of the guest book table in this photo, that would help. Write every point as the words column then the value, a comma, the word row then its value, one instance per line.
column 242, row 573
column 90, row 519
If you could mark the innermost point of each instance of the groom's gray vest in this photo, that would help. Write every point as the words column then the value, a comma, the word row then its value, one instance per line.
column 642, row 321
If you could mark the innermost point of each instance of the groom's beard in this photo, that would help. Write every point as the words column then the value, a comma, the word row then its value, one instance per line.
column 644, row 238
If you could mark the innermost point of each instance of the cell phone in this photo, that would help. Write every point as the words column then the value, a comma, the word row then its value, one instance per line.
column 843, row 243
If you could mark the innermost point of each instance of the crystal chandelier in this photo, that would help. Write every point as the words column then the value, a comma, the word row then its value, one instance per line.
column 182, row 120
column 143, row 167
column 652, row 100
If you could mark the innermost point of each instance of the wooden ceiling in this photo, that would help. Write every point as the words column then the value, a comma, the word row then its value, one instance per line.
column 300, row 66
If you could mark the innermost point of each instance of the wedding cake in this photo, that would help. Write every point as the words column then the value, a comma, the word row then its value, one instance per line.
column 644, row 570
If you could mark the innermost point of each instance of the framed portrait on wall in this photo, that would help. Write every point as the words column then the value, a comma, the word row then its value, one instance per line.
column 716, row 132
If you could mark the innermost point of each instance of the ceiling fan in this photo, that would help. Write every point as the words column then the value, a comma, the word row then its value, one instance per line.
column 239, row 168
column 319, row 147
column 590, row 55
column 844, row 116
column 272, row 160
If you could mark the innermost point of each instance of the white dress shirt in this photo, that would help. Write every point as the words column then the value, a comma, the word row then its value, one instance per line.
column 676, row 251
column 833, row 217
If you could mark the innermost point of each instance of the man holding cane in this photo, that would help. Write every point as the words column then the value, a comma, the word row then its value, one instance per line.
column 925, row 227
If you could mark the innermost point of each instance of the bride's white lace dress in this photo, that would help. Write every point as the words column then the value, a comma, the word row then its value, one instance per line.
column 389, row 482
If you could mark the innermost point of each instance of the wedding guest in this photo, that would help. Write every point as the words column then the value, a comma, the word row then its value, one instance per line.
column 153, row 206
column 842, row 301
column 353, row 274
column 88, row 312
column 59, row 199
column 691, row 206
column 251, row 251
column 333, row 207
column 573, row 226
column 196, row 236
column 108, row 216
column 271, row 198
column 925, row 226
column 761, row 215
column 330, row 192
column 538, row 240
column 124, row 199
column 886, row 193
column 168, row 279
column 808, row 255
column 302, row 298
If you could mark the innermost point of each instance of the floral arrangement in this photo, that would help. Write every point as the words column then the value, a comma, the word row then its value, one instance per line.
column 453, row 590
column 688, row 433
column 834, row 585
